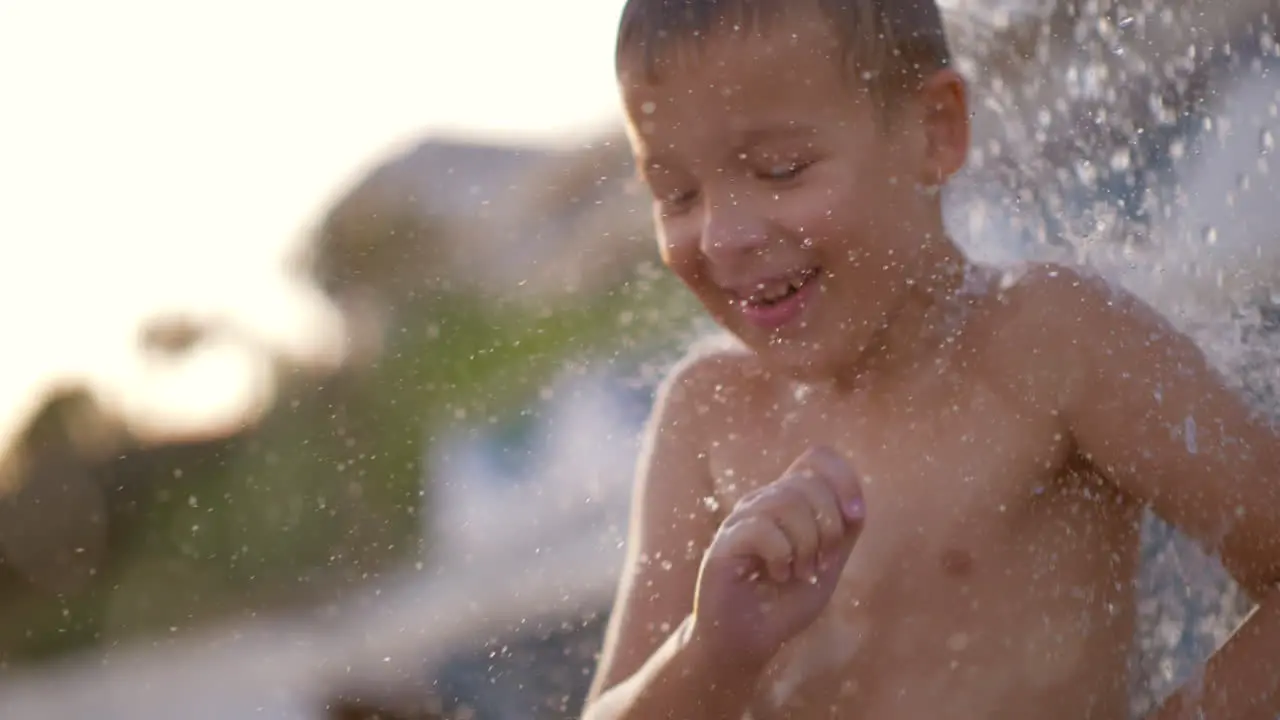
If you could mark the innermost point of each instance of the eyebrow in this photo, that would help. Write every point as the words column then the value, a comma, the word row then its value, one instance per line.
column 761, row 135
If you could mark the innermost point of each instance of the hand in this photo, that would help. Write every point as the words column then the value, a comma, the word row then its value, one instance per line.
column 774, row 563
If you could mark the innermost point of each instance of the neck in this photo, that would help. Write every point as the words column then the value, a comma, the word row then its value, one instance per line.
column 922, row 318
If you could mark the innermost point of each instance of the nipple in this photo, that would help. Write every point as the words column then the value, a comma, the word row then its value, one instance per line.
column 957, row 563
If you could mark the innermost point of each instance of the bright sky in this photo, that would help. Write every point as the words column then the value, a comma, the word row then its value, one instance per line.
column 154, row 154
column 129, row 98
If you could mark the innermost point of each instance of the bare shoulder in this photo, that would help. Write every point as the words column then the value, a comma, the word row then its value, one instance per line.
column 1032, row 297
column 1036, row 323
column 713, row 359
column 673, row 469
column 714, row 370
column 1055, row 306
column 670, row 519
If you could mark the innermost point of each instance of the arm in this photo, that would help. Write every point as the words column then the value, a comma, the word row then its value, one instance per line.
column 1145, row 407
column 679, row 681
column 652, row 666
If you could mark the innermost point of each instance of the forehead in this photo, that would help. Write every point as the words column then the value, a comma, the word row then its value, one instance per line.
column 786, row 74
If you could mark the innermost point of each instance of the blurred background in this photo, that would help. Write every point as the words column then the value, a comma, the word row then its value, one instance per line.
column 333, row 327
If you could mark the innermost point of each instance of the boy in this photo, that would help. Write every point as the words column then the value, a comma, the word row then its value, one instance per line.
column 914, row 488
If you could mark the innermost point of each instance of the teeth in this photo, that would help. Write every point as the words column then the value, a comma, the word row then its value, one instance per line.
column 780, row 290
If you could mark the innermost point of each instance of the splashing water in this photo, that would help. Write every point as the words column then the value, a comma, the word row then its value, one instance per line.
column 1145, row 151
column 1138, row 138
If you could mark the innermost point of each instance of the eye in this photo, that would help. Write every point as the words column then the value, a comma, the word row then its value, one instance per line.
column 784, row 171
column 676, row 201
column 671, row 190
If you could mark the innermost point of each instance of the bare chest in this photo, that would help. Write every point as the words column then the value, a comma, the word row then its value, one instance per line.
column 943, row 469
column 966, row 513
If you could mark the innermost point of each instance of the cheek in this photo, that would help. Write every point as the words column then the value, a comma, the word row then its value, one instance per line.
column 867, row 211
column 678, row 247
column 856, row 245
column 831, row 219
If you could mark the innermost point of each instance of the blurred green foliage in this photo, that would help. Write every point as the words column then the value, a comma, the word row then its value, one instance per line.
column 328, row 494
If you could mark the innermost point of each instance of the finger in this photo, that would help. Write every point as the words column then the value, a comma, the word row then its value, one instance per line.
column 790, row 509
column 824, row 504
column 841, row 478
column 832, row 565
column 758, row 539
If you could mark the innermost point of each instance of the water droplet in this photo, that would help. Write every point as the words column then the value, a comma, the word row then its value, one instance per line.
column 1210, row 235
column 802, row 392
column 1121, row 160
column 1267, row 141
column 1086, row 173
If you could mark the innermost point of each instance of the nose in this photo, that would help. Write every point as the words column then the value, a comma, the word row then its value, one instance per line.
column 731, row 232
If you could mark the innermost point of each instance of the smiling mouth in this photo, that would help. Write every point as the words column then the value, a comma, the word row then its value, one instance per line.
column 779, row 291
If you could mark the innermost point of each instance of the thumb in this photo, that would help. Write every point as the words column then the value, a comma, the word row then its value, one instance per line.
column 833, row 563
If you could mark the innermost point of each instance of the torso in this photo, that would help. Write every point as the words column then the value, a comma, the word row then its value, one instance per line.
column 993, row 577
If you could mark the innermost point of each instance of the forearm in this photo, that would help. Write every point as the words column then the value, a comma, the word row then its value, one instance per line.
column 1242, row 680
column 681, row 681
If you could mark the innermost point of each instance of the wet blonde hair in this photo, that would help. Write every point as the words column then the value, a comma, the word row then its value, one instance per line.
column 886, row 47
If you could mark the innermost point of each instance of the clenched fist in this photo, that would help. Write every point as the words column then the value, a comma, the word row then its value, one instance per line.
column 776, row 559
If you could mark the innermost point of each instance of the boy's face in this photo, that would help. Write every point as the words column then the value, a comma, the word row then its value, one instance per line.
column 786, row 200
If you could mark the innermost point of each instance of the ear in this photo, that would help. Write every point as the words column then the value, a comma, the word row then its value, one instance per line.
column 944, row 107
